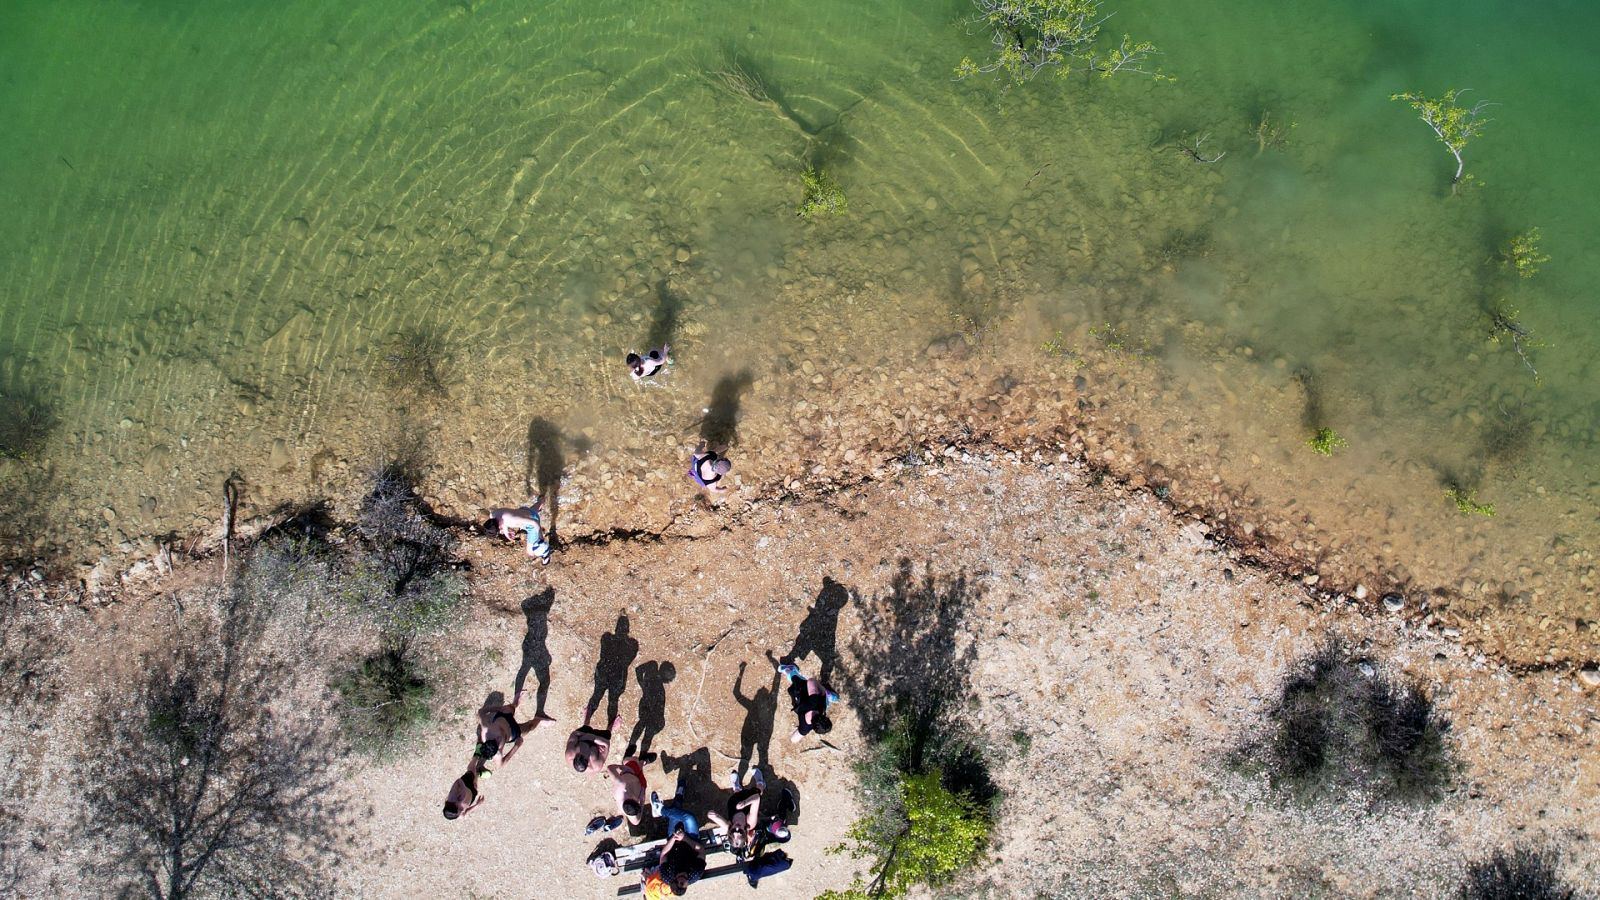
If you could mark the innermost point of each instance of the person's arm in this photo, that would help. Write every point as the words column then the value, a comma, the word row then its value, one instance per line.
column 574, row 741
column 718, row 823
column 752, row 808
column 602, row 748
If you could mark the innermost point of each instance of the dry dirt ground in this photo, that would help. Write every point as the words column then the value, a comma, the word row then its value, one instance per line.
column 1114, row 656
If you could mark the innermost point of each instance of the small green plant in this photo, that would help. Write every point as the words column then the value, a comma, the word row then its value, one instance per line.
column 1022, row 741
column 1522, row 253
column 1451, row 122
column 822, row 196
column 1325, row 441
column 1270, row 134
column 1526, row 873
column 388, row 699
column 1466, row 501
column 924, row 838
column 1032, row 35
column 1506, row 327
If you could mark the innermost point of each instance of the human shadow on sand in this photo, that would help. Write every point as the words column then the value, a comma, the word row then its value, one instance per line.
column 535, row 649
column 760, row 709
column 819, row 632
column 618, row 649
column 653, row 678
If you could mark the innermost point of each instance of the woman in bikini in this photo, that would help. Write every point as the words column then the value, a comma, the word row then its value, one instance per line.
column 464, row 796
column 646, row 366
column 499, row 732
column 744, row 808
column 707, row 468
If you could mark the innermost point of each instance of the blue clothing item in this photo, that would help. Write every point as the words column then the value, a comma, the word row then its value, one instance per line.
column 765, row 865
column 537, row 545
column 676, row 817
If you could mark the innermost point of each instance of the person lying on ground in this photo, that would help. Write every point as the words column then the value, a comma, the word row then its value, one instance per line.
column 589, row 746
column 744, row 807
column 707, row 468
column 642, row 367
column 464, row 796
column 523, row 520
column 629, row 786
column 499, row 732
column 810, row 699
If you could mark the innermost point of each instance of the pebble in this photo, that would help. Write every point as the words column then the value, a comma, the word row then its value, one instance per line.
column 1393, row 602
column 1361, row 592
column 1590, row 676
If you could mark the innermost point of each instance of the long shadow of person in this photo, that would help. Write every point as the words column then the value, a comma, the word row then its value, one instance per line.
column 819, row 632
column 720, row 428
column 546, row 462
column 694, row 775
column 653, row 679
column 755, row 736
column 664, row 323
column 617, row 653
column 535, row 651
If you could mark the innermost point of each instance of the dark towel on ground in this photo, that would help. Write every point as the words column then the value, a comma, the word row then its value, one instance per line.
column 766, row 864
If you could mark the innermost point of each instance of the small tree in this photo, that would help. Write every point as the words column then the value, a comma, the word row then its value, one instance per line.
column 1031, row 35
column 1522, row 254
column 1454, row 124
column 925, row 838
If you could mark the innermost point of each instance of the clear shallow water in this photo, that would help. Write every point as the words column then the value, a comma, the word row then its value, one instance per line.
column 223, row 217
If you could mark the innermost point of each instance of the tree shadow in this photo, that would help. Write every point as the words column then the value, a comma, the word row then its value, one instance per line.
column 618, row 649
column 535, row 649
column 653, row 678
column 819, row 632
column 720, row 427
column 197, row 786
column 914, row 675
column 546, row 462
column 664, row 322
column 760, row 708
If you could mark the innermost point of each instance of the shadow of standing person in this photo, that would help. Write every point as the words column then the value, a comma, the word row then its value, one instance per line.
column 755, row 735
column 720, row 427
column 535, row 651
column 546, row 462
column 819, row 632
column 653, row 679
column 664, row 322
column 617, row 653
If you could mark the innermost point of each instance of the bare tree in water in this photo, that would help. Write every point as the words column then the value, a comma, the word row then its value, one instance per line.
column 200, row 780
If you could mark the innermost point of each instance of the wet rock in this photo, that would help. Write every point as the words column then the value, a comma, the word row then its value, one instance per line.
column 1393, row 602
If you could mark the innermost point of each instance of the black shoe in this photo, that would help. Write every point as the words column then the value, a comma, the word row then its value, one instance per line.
column 595, row 824
column 648, row 758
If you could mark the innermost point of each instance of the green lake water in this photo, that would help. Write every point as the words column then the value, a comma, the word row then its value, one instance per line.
column 220, row 217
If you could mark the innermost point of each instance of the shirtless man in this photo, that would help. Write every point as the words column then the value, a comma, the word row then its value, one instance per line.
column 499, row 732
column 589, row 746
column 523, row 520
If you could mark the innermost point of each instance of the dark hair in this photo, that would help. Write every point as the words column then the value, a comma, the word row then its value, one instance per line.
column 821, row 724
column 633, row 359
column 630, row 807
column 452, row 809
column 491, row 525
column 488, row 749
column 680, row 884
column 580, row 763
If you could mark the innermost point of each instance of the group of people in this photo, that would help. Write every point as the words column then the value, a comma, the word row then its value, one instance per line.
column 740, row 827
column 681, row 859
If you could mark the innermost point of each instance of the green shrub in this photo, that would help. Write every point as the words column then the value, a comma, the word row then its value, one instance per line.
column 822, row 196
column 925, row 837
column 1525, row 873
column 388, row 700
column 1466, row 501
column 1339, row 726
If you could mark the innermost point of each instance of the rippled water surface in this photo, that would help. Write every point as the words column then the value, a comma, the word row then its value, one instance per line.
column 282, row 238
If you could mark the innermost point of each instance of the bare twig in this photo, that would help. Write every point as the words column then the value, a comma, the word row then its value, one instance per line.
column 1193, row 149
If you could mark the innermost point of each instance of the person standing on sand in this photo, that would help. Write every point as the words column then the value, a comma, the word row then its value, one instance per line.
column 525, row 519
column 500, row 734
column 464, row 796
column 646, row 366
column 707, row 468
column 589, row 746
column 810, row 699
